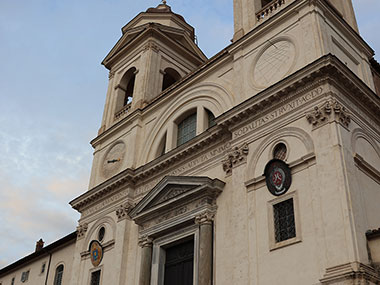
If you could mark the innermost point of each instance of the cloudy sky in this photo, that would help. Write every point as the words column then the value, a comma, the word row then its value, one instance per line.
column 52, row 91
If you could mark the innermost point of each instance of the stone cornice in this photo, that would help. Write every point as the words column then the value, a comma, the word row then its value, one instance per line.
column 130, row 177
column 147, row 31
column 326, row 69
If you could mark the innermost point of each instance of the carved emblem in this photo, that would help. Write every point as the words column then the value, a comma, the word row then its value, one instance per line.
column 96, row 252
column 321, row 114
column 278, row 177
column 235, row 156
column 81, row 230
column 122, row 210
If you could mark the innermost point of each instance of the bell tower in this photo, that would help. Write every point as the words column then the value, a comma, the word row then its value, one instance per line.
column 157, row 48
column 250, row 13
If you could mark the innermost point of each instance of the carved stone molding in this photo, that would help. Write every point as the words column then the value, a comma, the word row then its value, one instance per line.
column 145, row 241
column 111, row 74
column 330, row 109
column 235, row 157
column 204, row 218
column 351, row 273
column 81, row 230
column 152, row 46
column 122, row 210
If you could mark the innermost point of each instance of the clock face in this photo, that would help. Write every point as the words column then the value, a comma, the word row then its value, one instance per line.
column 274, row 63
column 113, row 158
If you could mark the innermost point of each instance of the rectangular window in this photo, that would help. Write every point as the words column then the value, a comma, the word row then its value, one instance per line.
column 95, row 278
column 43, row 267
column 13, row 281
column 25, row 276
column 187, row 129
column 284, row 222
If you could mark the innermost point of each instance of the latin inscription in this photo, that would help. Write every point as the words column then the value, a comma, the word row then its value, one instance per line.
column 104, row 203
column 181, row 169
column 278, row 112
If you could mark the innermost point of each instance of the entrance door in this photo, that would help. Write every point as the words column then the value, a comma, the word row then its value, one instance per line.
column 179, row 264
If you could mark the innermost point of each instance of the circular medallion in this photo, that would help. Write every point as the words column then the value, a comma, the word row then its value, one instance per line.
column 274, row 63
column 96, row 252
column 113, row 159
column 278, row 177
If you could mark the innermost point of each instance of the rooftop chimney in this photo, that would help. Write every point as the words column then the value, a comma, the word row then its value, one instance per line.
column 39, row 245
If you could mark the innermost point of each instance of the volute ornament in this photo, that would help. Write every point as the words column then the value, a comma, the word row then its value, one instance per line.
column 235, row 156
column 321, row 114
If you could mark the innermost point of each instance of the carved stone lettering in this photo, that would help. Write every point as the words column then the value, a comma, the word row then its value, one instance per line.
column 105, row 203
column 277, row 113
column 143, row 189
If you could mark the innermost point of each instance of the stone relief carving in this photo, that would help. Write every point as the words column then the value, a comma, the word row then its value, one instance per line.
column 122, row 210
column 145, row 241
column 205, row 218
column 81, row 230
column 234, row 157
column 172, row 193
column 151, row 45
column 321, row 114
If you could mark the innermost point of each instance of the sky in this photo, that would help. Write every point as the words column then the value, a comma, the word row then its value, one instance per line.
column 52, row 92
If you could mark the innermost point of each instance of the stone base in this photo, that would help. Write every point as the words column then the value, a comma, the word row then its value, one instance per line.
column 351, row 273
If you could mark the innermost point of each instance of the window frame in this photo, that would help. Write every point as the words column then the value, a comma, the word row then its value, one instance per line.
column 25, row 276
column 43, row 268
column 159, row 253
column 271, row 225
column 56, row 273
column 92, row 270
column 186, row 116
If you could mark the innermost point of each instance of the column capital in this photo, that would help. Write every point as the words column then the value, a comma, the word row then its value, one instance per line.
column 145, row 241
column 204, row 218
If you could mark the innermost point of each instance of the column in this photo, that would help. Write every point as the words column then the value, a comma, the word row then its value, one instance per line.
column 205, row 248
column 146, row 260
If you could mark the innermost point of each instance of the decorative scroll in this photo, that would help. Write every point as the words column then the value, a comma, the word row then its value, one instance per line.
column 81, row 230
column 145, row 241
column 321, row 114
column 205, row 218
column 236, row 156
column 122, row 210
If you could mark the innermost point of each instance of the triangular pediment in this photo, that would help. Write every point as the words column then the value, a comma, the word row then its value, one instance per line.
column 172, row 191
column 134, row 36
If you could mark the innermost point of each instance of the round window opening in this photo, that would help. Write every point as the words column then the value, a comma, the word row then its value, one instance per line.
column 101, row 233
column 279, row 151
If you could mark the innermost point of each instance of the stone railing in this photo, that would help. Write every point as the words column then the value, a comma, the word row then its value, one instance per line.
column 267, row 10
column 122, row 112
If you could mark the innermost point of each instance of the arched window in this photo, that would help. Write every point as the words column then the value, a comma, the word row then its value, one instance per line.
column 187, row 129
column 58, row 275
column 170, row 77
column 127, row 84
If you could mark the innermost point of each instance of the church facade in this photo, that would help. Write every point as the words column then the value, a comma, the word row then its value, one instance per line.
column 260, row 165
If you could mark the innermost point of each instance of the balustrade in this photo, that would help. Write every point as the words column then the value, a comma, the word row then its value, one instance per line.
column 269, row 9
